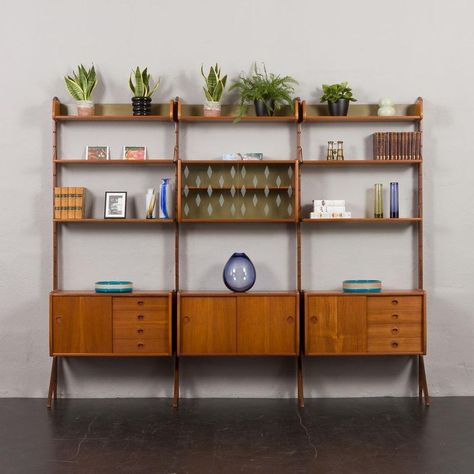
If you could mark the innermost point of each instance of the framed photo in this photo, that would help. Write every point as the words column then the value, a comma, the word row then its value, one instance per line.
column 134, row 153
column 115, row 205
column 97, row 153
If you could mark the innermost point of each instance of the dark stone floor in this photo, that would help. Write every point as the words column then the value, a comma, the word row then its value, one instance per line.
column 226, row 436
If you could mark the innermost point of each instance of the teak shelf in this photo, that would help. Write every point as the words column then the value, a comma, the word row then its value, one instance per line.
column 181, row 324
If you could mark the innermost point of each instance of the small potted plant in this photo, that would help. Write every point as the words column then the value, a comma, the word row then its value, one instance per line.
column 213, row 89
column 268, row 91
column 80, row 85
column 142, row 91
column 338, row 97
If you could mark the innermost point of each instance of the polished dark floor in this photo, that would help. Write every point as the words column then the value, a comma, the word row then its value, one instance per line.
column 226, row 436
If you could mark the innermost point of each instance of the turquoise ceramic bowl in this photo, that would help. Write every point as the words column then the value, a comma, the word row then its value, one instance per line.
column 113, row 286
column 361, row 286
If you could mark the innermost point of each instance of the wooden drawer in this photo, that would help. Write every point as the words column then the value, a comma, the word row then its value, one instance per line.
column 394, row 330
column 376, row 304
column 141, row 316
column 146, row 302
column 142, row 346
column 133, row 330
column 386, row 345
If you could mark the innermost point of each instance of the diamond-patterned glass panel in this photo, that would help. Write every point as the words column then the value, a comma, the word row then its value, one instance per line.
column 245, row 191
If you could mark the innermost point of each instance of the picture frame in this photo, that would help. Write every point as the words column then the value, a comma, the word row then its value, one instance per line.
column 134, row 153
column 115, row 205
column 97, row 152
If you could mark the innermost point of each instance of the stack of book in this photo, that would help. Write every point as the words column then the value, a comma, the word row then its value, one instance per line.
column 329, row 209
column 397, row 146
column 69, row 203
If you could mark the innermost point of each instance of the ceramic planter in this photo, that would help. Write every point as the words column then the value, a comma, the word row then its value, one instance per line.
column 212, row 109
column 141, row 105
column 85, row 108
column 338, row 108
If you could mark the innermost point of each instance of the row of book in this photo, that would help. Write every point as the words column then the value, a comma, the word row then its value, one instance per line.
column 397, row 146
column 69, row 202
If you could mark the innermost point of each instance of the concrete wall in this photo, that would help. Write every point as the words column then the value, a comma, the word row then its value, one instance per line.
column 401, row 50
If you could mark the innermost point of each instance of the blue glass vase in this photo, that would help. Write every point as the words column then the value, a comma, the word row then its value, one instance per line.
column 239, row 273
column 394, row 210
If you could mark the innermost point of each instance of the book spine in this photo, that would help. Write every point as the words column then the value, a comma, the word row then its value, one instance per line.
column 387, row 145
column 57, row 203
column 329, row 202
column 375, row 153
column 78, row 203
column 63, row 204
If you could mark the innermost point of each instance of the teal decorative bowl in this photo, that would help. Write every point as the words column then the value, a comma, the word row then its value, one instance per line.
column 113, row 286
column 361, row 286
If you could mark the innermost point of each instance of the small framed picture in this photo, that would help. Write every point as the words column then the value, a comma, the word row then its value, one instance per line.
column 115, row 205
column 134, row 153
column 97, row 153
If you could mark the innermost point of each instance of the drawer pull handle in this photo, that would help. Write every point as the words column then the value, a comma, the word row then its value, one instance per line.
column 140, row 303
column 141, row 317
column 395, row 331
column 314, row 319
column 59, row 319
column 394, row 302
column 186, row 319
column 140, row 331
column 394, row 345
column 141, row 345
column 394, row 316
column 290, row 319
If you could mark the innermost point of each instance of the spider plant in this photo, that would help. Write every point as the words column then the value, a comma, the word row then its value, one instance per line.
column 268, row 91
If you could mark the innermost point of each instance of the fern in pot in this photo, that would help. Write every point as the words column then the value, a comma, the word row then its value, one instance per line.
column 213, row 90
column 338, row 97
column 268, row 91
column 80, row 85
column 142, row 91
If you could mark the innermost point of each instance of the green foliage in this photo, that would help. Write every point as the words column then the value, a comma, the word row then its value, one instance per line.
column 142, row 86
column 215, row 84
column 274, row 89
column 81, row 84
column 334, row 92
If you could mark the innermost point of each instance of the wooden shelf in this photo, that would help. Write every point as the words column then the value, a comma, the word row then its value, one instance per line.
column 388, row 292
column 93, row 293
column 231, row 293
column 235, row 221
column 230, row 112
column 238, row 162
column 359, row 162
column 362, row 113
column 114, row 113
column 364, row 220
column 114, row 221
column 117, row 162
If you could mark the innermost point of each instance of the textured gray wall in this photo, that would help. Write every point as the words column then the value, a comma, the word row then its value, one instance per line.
column 402, row 51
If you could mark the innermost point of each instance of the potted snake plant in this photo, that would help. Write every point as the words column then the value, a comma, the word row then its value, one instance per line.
column 338, row 97
column 142, row 91
column 213, row 90
column 80, row 85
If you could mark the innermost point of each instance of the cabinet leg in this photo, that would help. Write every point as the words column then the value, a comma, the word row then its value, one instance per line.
column 176, row 382
column 53, row 381
column 422, row 383
column 300, row 382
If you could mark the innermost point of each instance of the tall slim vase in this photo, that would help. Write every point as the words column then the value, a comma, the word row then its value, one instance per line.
column 394, row 207
column 378, row 202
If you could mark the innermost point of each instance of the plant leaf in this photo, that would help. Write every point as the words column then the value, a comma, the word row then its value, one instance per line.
column 74, row 89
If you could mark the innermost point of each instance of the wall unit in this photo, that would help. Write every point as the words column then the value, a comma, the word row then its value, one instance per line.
column 207, row 323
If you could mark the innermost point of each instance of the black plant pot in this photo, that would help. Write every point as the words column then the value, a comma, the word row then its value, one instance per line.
column 141, row 105
column 264, row 109
column 338, row 108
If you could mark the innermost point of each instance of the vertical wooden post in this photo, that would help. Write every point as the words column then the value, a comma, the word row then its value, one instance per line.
column 300, row 382
column 423, row 384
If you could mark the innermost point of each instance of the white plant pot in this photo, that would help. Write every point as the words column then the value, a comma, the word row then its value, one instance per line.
column 85, row 107
column 212, row 109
